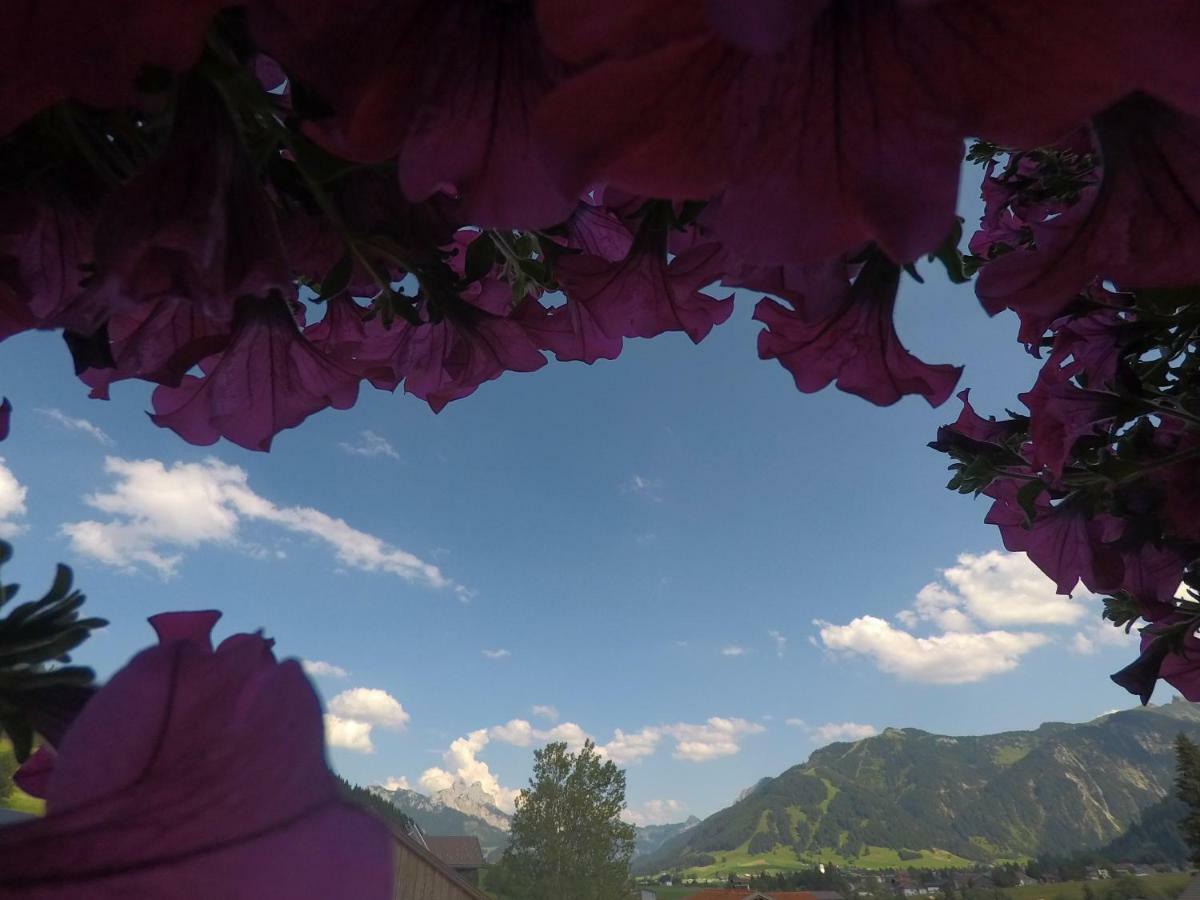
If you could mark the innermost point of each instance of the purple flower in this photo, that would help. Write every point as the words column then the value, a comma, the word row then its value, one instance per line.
column 269, row 378
column 196, row 772
column 854, row 343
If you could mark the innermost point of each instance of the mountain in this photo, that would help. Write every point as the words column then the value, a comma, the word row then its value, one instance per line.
column 648, row 838
column 459, row 810
column 1155, row 837
column 1058, row 789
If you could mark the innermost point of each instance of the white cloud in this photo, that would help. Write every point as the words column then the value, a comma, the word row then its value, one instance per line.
column 12, row 502
column 517, row 732
column 501, row 653
column 655, row 812
column 627, row 748
column 546, row 712
column 950, row 658
column 370, row 705
column 795, row 723
column 73, row 424
column 320, row 669
column 780, row 642
column 463, row 767
column 1099, row 634
column 158, row 511
column 521, row 733
column 645, row 487
column 348, row 734
column 733, row 650
column 715, row 738
column 371, row 443
column 842, row 731
column 397, row 784
column 1003, row 589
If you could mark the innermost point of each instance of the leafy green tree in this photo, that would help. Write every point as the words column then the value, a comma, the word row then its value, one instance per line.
column 568, row 839
column 1187, row 788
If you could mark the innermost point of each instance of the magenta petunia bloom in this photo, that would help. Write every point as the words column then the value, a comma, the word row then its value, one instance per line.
column 54, row 50
column 1060, row 413
column 446, row 88
column 450, row 358
column 1064, row 541
column 1180, row 670
column 194, row 224
column 644, row 295
column 569, row 331
column 854, row 343
column 1139, row 227
column 1095, row 342
column 197, row 773
column 269, row 378
column 824, row 124
column 157, row 343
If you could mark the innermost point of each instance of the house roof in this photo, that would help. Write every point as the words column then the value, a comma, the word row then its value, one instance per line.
column 418, row 851
column 457, row 851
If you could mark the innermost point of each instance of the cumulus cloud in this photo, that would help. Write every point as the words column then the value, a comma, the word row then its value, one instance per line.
column 521, row 733
column 12, row 502
column 156, row 512
column 625, row 748
column 950, row 658
column 81, row 425
column 655, row 812
column 780, row 642
column 795, row 723
column 733, row 650
column 371, row 444
column 348, row 734
column 546, row 712
column 842, row 731
column 1001, row 589
column 354, row 713
column 711, row 740
column 397, row 784
column 499, row 653
column 464, row 767
column 1101, row 634
column 370, row 705
column 321, row 669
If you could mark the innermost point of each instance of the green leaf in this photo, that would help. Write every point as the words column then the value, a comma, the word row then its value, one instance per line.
column 337, row 278
column 481, row 257
column 951, row 258
column 1027, row 498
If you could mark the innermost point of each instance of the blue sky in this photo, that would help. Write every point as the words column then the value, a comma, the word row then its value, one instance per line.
column 622, row 538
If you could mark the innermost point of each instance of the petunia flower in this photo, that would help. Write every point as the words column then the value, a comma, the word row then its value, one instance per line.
column 1061, row 413
column 854, row 343
column 196, row 772
column 1139, row 227
column 268, row 378
column 448, row 89
column 193, row 224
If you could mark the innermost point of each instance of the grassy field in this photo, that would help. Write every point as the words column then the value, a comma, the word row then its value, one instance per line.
column 782, row 859
column 1165, row 885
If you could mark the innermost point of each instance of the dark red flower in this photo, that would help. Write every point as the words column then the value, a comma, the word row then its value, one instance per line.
column 1139, row 227
column 1064, row 540
column 1060, row 413
column 54, row 50
column 850, row 131
column 196, row 772
column 194, row 224
column 446, row 88
column 643, row 295
column 5, row 419
column 854, row 343
column 269, row 378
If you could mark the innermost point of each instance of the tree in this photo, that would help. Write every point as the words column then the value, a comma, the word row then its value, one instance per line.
column 1187, row 788
column 568, row 839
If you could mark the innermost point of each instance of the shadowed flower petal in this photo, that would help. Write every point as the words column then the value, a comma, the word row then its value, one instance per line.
column 269, row 378
column 5, row 418
column 1139, row 227
column 447, row 88
column 197, row 773
column 855, row 344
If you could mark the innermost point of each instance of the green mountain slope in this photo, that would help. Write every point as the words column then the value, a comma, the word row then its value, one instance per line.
column 1057, row 789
